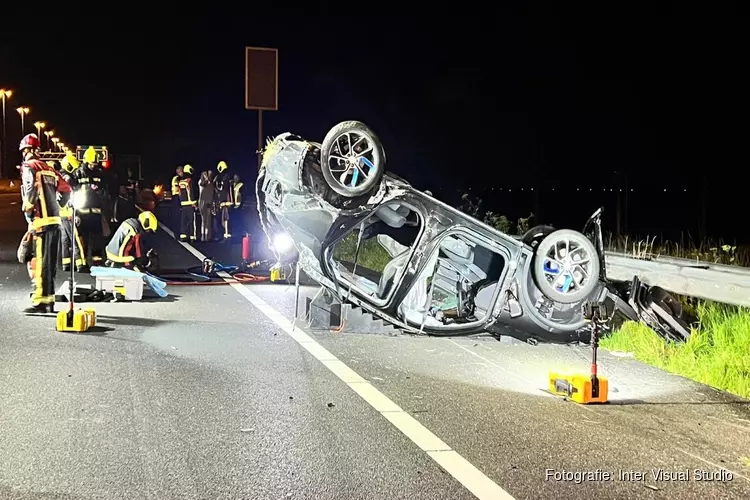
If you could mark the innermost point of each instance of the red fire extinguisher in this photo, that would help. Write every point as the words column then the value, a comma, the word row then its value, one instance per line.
column 247, row 248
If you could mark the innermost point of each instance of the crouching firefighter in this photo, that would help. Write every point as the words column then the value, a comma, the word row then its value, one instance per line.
column 125, row 249
column 69, row 238
column 188, row 205
column 40, row 187
column 91, row 191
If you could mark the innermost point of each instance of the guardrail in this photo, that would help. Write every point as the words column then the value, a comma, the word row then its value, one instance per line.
column 704, row 280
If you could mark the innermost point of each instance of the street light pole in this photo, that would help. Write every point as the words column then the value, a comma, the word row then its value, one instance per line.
column 4, row 94
column 39, row 126
column 23, row 111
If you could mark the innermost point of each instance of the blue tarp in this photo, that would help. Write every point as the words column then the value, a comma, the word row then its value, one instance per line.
column 154, row 283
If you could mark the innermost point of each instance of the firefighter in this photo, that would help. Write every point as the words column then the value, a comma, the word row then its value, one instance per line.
column 175, row 212
column 188, row 205
column 92, row 189
column 125, row 249
column 69, row 165
column 40, row 187
column 224, row 192
column 132, row 185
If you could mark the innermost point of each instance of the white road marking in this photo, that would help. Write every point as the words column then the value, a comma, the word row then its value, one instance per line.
column 713, row 464
column 454, row 464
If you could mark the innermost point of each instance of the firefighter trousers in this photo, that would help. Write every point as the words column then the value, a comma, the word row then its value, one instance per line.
column 224, row 214
column 175, row 214
column 188, row 224
column 92, row 236
column 67, row 245
column 46, row 245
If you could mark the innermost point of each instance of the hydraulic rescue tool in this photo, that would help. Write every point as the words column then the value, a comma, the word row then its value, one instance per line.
column 73, row 320
column 578, row 387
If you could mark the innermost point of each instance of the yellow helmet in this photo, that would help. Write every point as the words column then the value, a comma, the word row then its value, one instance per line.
column 188, row 169
column 90, row 155
column 148, row 221
column 222, row 166
column 70, row 162
column 51, row 163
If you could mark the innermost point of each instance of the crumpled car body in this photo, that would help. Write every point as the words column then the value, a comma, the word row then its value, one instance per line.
column 426, row 267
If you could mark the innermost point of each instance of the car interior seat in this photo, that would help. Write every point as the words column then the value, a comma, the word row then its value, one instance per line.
column 391, row 216
column 460, row 259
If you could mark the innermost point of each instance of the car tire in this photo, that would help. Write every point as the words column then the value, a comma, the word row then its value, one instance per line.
column 332, row 144
column 547, row 287
column 536, row 234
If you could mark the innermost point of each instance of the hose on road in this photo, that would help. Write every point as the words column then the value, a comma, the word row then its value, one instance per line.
column 208, row 274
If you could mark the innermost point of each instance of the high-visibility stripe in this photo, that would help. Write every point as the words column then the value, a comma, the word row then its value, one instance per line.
column 46, row 221
column 120, row 259
column 38, row 271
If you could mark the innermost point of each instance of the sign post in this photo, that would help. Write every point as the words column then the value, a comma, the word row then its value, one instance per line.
column 261, row 85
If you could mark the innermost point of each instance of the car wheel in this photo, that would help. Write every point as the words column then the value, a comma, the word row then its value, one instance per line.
column 566, row 266
column 352, row 159
column 536, row 234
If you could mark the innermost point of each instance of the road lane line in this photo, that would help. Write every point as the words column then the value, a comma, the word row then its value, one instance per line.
column 454, row 464
column 713, row 464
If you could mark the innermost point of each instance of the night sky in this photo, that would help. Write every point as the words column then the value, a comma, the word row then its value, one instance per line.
column 486, row 98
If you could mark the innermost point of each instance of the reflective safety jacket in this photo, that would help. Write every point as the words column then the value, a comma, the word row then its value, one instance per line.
column 187, row 192
column 176, row 185
column 237, row 196
column 91, row 181
column 66, row 210
column 39, row 189
column 125, row 245
column 225, row 193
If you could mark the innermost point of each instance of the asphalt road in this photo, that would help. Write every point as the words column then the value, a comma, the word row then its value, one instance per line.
column 207, row 395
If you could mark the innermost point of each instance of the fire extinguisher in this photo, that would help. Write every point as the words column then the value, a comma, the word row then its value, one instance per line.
column 247, row 248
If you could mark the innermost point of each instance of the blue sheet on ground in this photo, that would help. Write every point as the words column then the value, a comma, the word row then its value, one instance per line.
column 154, row 283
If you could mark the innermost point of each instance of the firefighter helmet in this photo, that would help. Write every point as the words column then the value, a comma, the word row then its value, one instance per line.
column 90, row 155
column 148, row 221
column 188, row 169
column 70, row 162
column 222, row 166
column 29, row 141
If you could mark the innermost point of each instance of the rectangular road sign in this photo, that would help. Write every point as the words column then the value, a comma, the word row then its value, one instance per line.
column 261, row 78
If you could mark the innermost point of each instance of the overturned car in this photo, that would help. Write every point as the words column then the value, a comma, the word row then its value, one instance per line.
column 370, row 238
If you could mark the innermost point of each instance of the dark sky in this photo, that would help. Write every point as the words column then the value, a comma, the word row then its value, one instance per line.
column 488, row 96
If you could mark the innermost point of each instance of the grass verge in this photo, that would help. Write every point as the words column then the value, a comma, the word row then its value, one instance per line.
column 717, row 354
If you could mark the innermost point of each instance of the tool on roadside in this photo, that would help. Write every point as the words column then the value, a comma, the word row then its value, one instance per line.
column 73, row 320
column 580, row 388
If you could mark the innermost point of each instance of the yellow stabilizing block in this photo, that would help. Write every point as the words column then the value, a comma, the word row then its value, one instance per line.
column 79, row 321
column 578, row 388
column 277, row 273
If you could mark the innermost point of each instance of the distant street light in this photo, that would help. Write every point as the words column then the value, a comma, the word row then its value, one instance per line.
column 23, row 111
column 39, row 126
column 55, row 140
column 50, row 134
column 4, row 94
